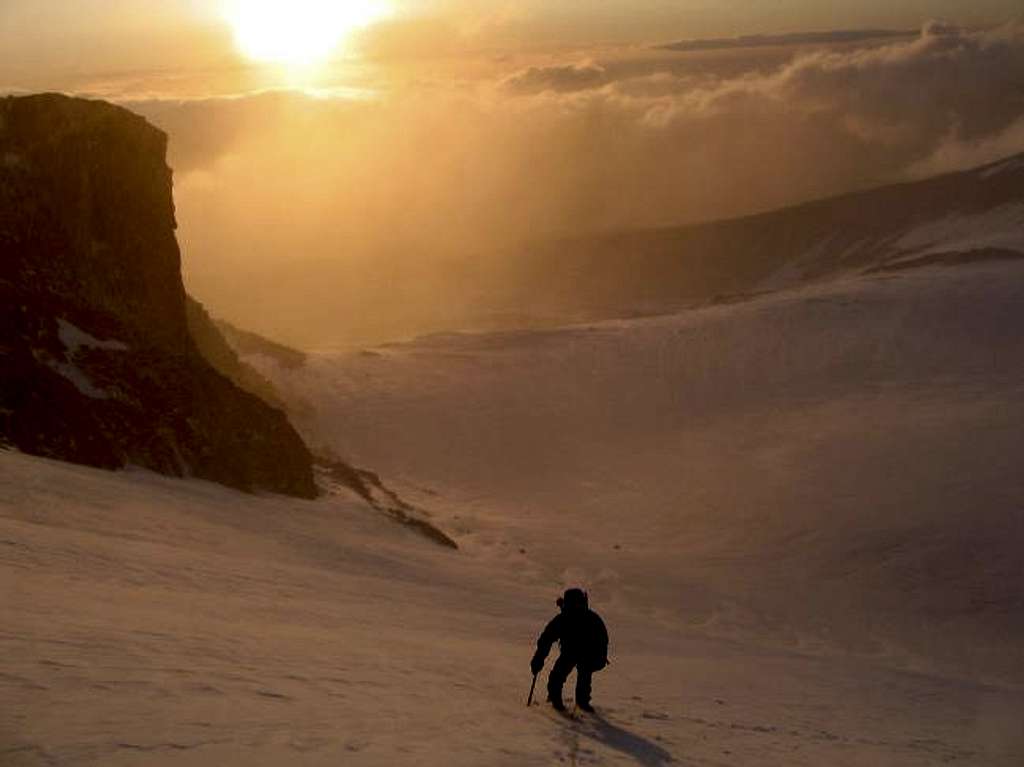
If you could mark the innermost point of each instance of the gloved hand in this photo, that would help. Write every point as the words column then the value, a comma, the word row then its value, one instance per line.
column 536, row 664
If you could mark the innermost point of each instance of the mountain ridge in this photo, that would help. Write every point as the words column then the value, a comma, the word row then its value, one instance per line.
column 650, row 270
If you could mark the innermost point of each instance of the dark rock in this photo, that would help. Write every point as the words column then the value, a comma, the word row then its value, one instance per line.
column 216, row 350
column 97, row 363
column 369, row 486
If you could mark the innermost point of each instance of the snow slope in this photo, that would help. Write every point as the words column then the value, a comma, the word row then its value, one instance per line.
column 835, row 467
column 799, row 515
column 973, row 215
column 149, row 621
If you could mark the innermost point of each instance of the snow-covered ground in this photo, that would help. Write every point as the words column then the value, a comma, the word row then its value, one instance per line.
column 801, row 517
column 834, row 467
column 1001, row 227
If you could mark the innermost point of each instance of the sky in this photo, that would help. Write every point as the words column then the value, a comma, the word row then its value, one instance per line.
column 346, row 171
column 57, row 44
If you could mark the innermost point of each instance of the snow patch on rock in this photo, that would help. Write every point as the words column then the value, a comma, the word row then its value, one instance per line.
column 77, row 376
column 74, row 338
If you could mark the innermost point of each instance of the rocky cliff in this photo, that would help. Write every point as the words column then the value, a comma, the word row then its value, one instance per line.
column 97, row 364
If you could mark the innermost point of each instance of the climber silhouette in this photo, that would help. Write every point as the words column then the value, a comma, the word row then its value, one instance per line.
column 583, row 640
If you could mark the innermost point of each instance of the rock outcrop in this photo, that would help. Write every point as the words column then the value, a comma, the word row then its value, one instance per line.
column 97, row 363
column 215, row 348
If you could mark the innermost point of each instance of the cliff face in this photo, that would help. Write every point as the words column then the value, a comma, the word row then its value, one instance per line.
column 97, row 364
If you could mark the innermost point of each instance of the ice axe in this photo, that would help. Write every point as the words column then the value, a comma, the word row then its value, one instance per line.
column 529, row 700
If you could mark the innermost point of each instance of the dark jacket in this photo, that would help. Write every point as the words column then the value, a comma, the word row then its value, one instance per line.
column 582, row 636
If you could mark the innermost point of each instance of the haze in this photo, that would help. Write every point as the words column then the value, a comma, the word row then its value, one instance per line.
column 374, row 175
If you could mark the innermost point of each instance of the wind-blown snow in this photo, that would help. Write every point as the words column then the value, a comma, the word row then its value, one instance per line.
column 1001, row 227
column 1006, row 166
column 793, row 271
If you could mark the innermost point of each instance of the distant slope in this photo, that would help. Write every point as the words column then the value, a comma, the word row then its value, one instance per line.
column 245, row 342
column 975, row 212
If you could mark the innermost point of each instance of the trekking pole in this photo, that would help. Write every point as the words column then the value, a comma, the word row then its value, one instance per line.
column 529, row 701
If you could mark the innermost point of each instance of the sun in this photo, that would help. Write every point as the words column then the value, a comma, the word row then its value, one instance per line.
column 298, row 32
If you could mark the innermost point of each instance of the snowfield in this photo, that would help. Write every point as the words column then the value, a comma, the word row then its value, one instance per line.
column 836, row 467
column 1001, row 227
column 801, row 517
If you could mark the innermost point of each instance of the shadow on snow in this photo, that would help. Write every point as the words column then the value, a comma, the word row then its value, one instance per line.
column 645, row 752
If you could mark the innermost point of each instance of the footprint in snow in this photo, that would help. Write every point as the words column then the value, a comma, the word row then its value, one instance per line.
column 272, row 694
column 660, row 716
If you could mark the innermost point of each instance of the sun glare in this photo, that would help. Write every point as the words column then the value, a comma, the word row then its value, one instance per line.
column 298, row 32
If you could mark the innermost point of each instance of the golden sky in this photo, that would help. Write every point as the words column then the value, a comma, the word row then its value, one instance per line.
column 199, row 47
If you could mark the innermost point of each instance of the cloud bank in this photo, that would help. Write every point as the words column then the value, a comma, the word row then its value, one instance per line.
column 835, row 37
column 559, row 78
column 403, row 193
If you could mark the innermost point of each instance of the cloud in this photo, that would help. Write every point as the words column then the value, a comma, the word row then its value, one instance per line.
column 204, row 131
column 824, row 123
column 597, row 144
column 562, row 79
column 835, row 37
column 406, row 193
column 957, row 154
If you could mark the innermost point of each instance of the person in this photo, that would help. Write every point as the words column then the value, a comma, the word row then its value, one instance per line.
column 583, row 640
